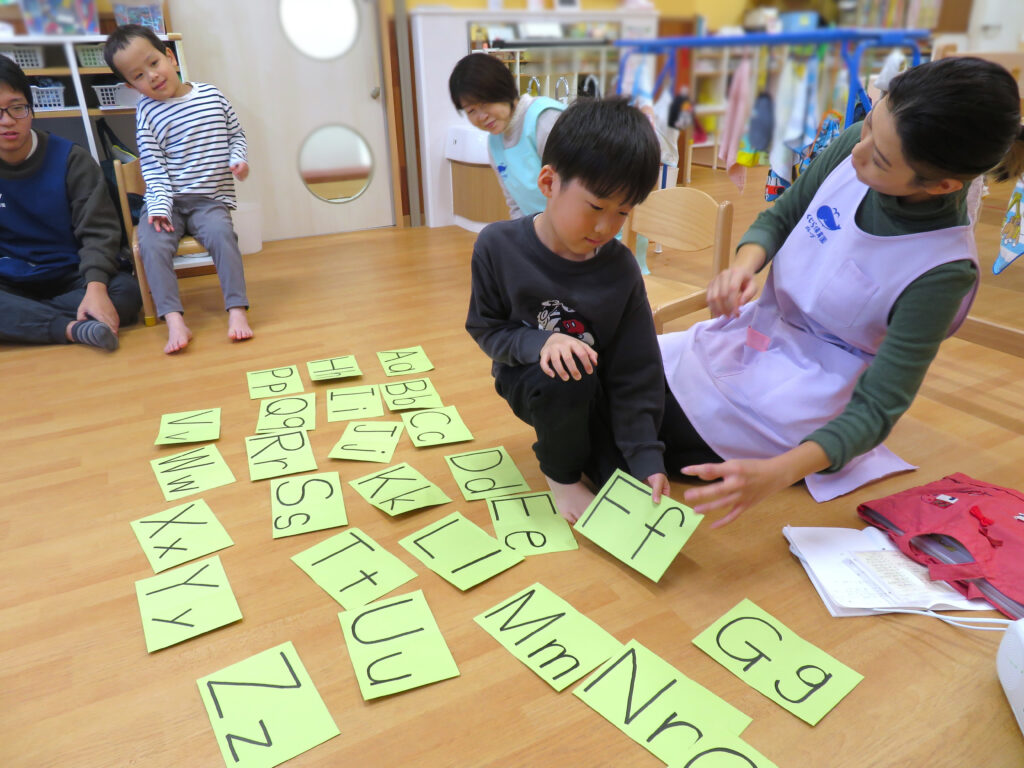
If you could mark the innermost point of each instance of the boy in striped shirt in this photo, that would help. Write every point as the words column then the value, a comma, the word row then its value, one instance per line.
column 190, row 145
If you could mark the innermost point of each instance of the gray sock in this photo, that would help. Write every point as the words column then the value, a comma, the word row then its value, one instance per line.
column 95, row 334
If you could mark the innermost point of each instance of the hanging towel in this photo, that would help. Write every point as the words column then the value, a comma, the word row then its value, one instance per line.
column 737, row 111
column 1010, row 244
column 762, row 121
column 780, row 158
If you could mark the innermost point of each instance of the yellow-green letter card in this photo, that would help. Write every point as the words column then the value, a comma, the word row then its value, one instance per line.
column 306, row 503
column 718, row 750
column 410, row 393
column 274, row 381
column 368, row 441
column 658, row 706
column 341, row 367
column 282, row 453
column 460, row 551
column 398, row 489
column 265, row 710
column 353, row 568
column 486, row 473
column 436, row 426
column 195, row 471
column 395, row 645
column 287, row 413
column 189, row 427
column 180, row 534
column 769, row 657
column 549, row 636
column 186, row 602
column 354, row 403
column 401, row 362
column 530, row 524
column 646, row 536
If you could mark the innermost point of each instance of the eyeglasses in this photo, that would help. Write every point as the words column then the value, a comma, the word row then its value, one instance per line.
column 18, row 111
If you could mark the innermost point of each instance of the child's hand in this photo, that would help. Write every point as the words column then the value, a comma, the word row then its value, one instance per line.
column 659, row 487
column 241, row 170
column 559, row 354
column 161, row 223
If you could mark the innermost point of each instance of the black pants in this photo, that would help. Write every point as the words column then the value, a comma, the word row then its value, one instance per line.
column 571, row 418
column 39, row 312
column 683, row 446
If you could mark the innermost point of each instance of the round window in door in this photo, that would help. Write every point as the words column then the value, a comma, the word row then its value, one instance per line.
column 335, row 163
column 321, row 29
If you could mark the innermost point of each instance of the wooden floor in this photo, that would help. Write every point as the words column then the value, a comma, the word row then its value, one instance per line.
column 78, row 689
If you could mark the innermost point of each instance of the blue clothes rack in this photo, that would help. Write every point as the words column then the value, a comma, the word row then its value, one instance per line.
column 846, row 38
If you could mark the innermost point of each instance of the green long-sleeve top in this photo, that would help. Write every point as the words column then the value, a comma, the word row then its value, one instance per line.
column 919, row 320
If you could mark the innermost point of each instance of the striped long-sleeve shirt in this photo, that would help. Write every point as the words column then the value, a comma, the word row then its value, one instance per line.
column 187, row 146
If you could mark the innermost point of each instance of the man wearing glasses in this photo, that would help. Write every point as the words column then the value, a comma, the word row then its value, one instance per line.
column 59, row 235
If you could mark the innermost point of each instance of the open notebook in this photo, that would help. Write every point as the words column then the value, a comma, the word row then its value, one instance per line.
column 857, row 572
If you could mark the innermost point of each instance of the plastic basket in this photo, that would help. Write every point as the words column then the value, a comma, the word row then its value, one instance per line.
column 117, row 95
column 25, row 56
column 90, row 55
column 51, row 97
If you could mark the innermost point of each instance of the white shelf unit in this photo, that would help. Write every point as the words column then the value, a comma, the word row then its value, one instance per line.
column 442, row 36
column 60, row 62
column 561, row 73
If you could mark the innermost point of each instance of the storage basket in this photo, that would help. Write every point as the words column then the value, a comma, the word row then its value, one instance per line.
column 25, row 56
column 48, row 98
column 117, row 95
column 90, row 55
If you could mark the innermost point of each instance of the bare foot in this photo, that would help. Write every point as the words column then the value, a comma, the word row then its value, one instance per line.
column 178, row 334
column 572, row 499
column 238, row 324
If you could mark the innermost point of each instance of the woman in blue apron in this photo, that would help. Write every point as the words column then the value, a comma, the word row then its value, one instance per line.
column 873, row 264
column 484, row 90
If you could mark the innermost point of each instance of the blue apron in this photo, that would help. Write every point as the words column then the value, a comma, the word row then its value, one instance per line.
column 519, row 166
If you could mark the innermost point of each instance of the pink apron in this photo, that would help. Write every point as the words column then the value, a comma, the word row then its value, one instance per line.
column 755, row 385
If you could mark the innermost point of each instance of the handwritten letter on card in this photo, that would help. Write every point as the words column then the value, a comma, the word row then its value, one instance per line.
column 354, row 403
column 306, row 503
column 186, row 602
column 623, row 520
column 769, row 657
column 398, row 489
column 487, row 473
column 460, row 551
column 353, row 568
column 548, row 635
column 274, row 381
column 341, row 367
column 189, row 427
column 283, row 453
column 395, row 645
column 195, row 471
column 401, row 362
column 180, row 534
column 265, row 710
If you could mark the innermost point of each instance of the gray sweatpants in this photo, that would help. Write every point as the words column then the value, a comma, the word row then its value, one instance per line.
column 209, row 221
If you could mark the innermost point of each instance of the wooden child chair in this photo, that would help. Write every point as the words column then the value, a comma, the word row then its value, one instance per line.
column 129, row 181
column 686, row 219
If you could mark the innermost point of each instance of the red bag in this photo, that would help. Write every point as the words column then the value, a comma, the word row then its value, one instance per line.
column 969, row 533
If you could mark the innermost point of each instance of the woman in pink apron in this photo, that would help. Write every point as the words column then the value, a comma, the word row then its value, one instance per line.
column 872, row 265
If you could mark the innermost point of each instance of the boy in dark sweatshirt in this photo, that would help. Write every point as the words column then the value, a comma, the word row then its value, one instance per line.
column 559, row 305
